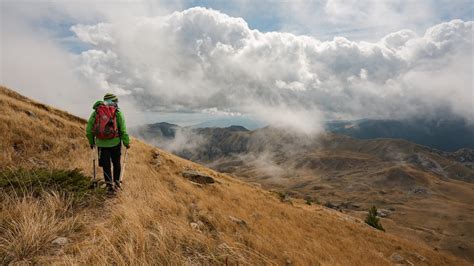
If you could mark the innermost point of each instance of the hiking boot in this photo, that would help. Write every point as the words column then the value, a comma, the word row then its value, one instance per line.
column 117, row 185
column 110, row 190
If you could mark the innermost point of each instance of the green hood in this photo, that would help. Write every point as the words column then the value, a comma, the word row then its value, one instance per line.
column 96, row 104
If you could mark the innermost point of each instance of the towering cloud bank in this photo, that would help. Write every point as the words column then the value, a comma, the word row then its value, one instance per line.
column 199, row 59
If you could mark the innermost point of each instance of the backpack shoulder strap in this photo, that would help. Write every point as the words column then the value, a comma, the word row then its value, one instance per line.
column 119, row 123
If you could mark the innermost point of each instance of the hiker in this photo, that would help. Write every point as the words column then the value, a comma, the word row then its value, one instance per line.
column 106, row 129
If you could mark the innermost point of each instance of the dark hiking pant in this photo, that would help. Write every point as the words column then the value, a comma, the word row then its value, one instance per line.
column 106, row 156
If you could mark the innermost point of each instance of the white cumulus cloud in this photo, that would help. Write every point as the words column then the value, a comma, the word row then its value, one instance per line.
column 200, row 59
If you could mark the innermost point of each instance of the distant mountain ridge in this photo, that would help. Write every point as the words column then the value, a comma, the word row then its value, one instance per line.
column 161, row 130
column 229, row 121
column 446, row 135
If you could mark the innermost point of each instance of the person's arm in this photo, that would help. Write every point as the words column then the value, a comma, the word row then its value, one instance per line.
column 123, row 129
column 90, row 125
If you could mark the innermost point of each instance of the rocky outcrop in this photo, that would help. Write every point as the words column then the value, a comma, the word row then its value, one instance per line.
column 197, row 177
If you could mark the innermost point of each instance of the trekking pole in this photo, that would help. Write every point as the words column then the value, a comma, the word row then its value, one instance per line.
column 123, row 166
column 94, row 181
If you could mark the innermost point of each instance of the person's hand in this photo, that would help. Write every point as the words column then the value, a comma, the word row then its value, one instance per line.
column 127, row 146
column 92, row 146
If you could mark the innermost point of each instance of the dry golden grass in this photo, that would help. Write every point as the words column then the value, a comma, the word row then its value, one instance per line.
column 30, row 224
column 149, row 222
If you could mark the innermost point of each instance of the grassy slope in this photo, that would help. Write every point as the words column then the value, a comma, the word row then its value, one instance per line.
column 149, row 222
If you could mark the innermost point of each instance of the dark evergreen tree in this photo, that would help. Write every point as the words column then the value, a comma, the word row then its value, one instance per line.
column 373, row 220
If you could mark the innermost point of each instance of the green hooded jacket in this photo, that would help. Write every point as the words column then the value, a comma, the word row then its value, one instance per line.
column 107, row 143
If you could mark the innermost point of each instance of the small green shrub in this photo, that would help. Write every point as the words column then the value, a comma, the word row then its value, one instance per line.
column 373, row 220
column 34, row 182
column 283, row 196
column 308, row 200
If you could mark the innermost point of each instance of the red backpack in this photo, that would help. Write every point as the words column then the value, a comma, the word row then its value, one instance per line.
column 105, row 125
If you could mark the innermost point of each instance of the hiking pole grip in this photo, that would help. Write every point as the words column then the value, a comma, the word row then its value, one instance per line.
column 93, row 162
column 123, row 166
column 94, row 158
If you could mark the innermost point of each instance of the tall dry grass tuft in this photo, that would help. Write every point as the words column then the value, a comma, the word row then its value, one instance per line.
column 29, row 224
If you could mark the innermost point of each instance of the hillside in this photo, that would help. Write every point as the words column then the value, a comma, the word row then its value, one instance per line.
column 408, row 182
column 161, row 217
